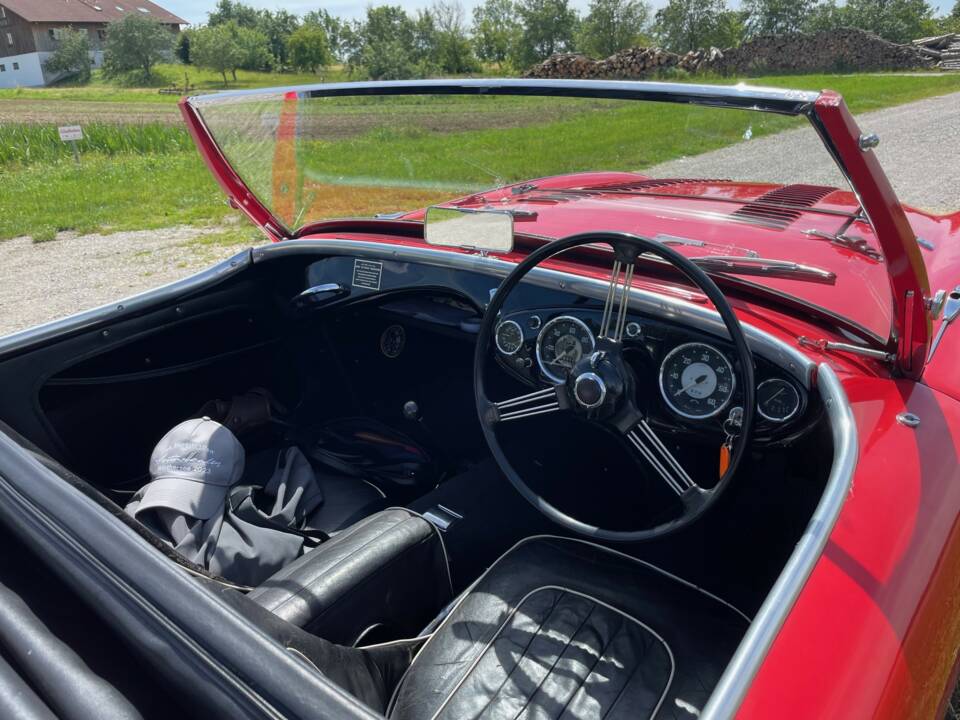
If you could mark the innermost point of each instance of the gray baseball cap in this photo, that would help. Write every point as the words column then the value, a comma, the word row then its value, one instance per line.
column 193, row 468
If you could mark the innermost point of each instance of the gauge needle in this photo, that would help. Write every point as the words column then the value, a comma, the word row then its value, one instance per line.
column 696, row 381
column 774, row 396
column 558, row 358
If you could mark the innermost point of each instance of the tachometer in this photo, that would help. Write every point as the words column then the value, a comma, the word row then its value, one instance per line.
column 777, row 400
column 509, row 337
column 696, row 380
column 561, row 344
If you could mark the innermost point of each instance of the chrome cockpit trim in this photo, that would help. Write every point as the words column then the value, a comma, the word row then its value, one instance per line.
column 737, row 678
column 789, row 359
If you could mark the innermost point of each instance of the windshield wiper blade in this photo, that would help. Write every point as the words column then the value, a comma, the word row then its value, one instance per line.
column 766, row 267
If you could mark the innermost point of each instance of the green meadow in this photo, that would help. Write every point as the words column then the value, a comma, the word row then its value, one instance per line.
column 148, row 175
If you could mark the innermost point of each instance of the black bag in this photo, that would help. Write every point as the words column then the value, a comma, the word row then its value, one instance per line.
column 366, row 448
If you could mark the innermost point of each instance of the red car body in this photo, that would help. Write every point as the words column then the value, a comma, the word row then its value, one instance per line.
column 876, row 628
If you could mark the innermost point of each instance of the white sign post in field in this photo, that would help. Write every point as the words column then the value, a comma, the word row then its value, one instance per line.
column 70, row 134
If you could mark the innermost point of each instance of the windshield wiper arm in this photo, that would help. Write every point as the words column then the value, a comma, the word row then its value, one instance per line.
column 766, row 267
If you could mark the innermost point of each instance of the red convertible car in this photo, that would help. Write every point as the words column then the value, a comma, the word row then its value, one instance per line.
column 518, row 415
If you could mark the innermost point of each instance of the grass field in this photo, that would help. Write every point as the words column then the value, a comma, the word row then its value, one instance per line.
column 137, row 175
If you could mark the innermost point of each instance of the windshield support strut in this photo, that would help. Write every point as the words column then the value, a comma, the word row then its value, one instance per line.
column 909, row 284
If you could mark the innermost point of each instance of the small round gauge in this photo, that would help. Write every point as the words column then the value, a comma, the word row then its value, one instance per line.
column 696, row 380
column 509, row 337
column 393, row 340
column 777, row 400
column 561, row 344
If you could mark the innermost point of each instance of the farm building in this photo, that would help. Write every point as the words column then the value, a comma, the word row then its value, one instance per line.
column 30, row 32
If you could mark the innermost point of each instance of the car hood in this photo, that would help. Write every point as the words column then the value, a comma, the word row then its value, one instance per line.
column 720, row 218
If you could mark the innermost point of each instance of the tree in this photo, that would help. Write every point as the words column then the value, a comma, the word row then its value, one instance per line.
column 277, row 26
column 454, row 53
column 135, row 43
column 72, row 55
column 228, row 11
column 896, row 20
column 548, row 27
column 684, row 25
column 336, row 30
column 389, row 43
column 308, row 48
column 824, row 16
column 254, row 46
column 215, row 47
column 495, row 31
column 776, row 17
column 182, row 50
column 612, row 25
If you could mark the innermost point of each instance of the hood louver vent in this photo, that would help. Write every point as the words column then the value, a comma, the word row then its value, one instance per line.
column 629, row 188
column 643, row 184
column 778, row 208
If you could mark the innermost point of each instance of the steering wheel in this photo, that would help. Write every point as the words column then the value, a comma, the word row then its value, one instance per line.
column 602, row 387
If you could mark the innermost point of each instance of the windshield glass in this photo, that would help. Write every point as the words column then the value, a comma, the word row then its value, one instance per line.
column 713, row 181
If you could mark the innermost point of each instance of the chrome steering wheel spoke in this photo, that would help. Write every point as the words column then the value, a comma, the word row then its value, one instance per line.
column 539, row 402
column 652, row 449
column 617, row 303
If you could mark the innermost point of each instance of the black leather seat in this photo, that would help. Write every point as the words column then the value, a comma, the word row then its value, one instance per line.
column 561, row 628
column 386, row 574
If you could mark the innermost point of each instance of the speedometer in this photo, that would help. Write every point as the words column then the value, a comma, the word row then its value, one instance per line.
column 561, row 344
column 696, row 380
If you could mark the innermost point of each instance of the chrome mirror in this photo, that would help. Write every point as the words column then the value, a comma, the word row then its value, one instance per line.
column 483, row 230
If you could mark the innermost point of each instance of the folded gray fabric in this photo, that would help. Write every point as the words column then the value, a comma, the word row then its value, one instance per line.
column 245, row 543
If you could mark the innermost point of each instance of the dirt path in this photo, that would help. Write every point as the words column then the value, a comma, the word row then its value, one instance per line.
column 45, row 281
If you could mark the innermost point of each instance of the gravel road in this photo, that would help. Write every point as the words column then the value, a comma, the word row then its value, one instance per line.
column 919, row 150
column 49, row 280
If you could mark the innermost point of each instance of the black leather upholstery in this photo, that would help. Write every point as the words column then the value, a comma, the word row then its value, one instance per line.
column 388, row 570
column 560, row 628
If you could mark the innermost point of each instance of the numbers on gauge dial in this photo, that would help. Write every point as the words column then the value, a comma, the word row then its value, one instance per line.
column 696, row 380
column 777, row 400
column 561, row 344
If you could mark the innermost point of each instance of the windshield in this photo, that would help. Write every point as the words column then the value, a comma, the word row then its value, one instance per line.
column 713, row 181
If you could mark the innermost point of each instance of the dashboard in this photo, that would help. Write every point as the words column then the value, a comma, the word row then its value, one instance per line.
column 685, row 378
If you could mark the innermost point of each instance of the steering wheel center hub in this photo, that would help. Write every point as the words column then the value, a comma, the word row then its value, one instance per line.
column 598, row 383
column 589, row 390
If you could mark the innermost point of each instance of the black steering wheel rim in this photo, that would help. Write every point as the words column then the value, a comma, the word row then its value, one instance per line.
column 695, row 504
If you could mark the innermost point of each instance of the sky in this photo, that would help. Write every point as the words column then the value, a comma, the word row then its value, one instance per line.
column 195, row 11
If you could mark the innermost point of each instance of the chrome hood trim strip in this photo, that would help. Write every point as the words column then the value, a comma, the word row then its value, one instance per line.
column 737, row 678
column 790, row 359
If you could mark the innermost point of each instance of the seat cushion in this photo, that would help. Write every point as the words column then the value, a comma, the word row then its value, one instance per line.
column 562, row 628
column 386, row 572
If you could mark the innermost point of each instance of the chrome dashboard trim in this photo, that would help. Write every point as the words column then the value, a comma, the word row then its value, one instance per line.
column 752, row 651
column 788, row 358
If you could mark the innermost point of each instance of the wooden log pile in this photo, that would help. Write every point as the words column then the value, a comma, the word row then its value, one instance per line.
column 944, row 49
column 630, row 63
column 842, row 49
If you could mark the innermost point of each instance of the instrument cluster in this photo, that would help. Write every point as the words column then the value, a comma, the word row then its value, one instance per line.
column 693, row 372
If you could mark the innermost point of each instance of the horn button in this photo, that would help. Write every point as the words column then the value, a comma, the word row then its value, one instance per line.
column 598, row 383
